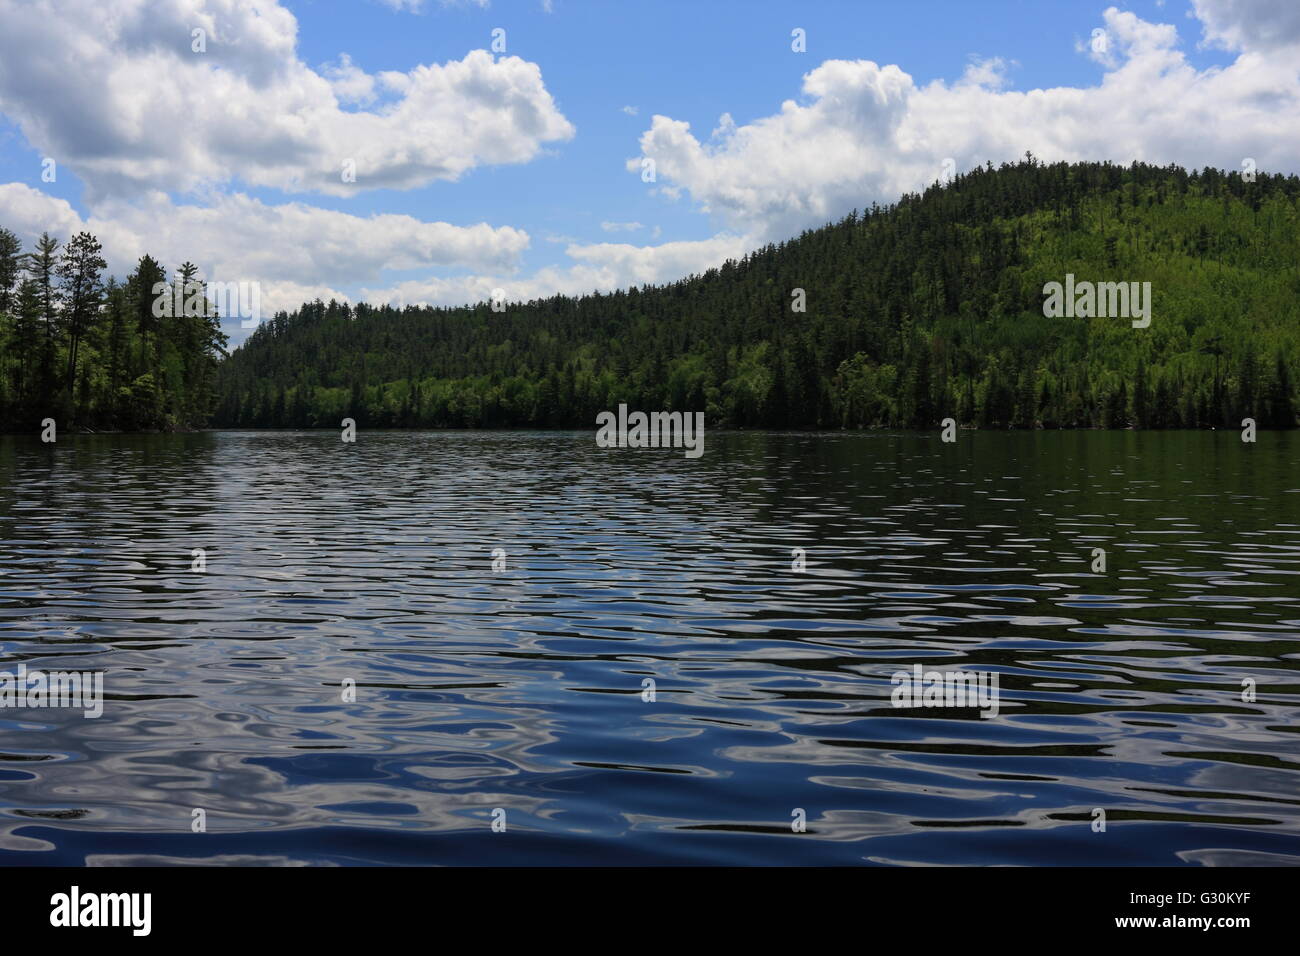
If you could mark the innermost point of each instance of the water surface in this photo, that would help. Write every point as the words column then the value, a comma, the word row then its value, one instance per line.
column 522, row 689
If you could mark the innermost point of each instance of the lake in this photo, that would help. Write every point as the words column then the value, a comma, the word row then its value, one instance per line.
column 437, row 648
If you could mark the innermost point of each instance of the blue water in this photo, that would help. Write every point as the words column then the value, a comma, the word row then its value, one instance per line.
column 521, row 689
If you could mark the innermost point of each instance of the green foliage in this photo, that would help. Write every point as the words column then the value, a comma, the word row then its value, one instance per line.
column 927, row 309
column 92, row 355
column 923, row 310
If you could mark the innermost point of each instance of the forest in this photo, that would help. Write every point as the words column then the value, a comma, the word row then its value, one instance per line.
column 893, row 317
column 91, row 353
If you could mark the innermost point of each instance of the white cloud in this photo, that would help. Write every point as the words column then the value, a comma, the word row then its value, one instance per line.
column 626, row 264
column 350, row 83
column 30, row 212
column 602, row 266
column 866, row 132
column 989, row 73
column 1251, row 25
column 157, row 115
column 159, row 118
column 300, row 251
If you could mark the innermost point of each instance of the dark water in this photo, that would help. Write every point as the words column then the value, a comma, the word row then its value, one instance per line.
column 522, row 689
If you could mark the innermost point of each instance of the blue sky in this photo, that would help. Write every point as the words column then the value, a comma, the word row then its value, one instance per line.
column 225, row 157
column 690, row 60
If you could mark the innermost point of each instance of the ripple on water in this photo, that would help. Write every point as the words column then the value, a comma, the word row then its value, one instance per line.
column 648, row 679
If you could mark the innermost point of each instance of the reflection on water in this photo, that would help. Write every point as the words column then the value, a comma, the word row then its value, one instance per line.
column 522, row 689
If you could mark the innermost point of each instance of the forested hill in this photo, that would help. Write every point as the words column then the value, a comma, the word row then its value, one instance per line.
column 929, row 308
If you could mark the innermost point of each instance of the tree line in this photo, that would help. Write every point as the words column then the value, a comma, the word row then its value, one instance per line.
column 928, row 308
column 893, row 317
column 93, row 353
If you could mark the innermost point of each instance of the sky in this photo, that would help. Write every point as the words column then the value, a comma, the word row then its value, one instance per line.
column 424, row 151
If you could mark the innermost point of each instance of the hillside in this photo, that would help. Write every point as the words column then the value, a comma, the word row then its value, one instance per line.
column 928, row 308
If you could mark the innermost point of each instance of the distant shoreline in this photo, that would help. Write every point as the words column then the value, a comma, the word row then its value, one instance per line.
column 591, row 428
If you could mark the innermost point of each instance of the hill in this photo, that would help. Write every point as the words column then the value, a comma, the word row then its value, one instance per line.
column 929, row 308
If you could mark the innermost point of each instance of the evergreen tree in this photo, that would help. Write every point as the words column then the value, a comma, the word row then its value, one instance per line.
column 79, row 272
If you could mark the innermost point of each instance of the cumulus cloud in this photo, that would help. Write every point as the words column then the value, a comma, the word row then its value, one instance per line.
column 604, row 266
column 300, row 251
column 350, row 83
column 1251, row 25
column 160, row 118
column 303, row 253
column 159, row 115
column 866, row 132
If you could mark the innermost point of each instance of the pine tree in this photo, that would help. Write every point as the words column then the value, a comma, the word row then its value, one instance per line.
column 11, row 261
column 43, row 264
column 83, row 290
